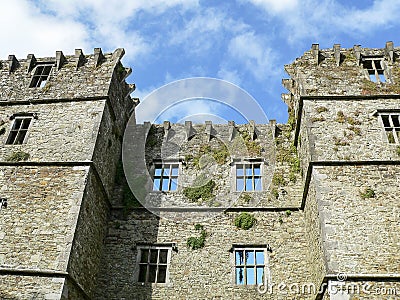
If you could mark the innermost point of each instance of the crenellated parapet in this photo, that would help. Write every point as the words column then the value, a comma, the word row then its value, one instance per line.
column 214, row 150
column 339, row 71
column 63, row 76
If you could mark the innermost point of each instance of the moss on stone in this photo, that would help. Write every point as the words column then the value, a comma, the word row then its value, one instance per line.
column 398, row 150
column 390, row 137
column 291, row 119
column 367, row 193
column 317, row 119
column 340, row 117
column 253, row 148
column 275, row 193
column 245, row 197
column 278, row 180
column 340, row 142
column 195, row 243
column 18, row 156
column 245, row 221
column 202, row 189
column 355, row 129
column 220, row 155
column 321, row 109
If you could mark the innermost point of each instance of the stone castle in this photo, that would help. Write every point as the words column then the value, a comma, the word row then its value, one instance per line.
column 303, row 210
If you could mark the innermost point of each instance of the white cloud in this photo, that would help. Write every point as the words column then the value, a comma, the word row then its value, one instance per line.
column 206, row 30
column 323, row 20
column 25, row 29
column 181, row 98
column 250, row 50
column 112, row 11
column 380, row 14
column 110, row 21
column 276, row 6
column 230, row 75
column 45, row 26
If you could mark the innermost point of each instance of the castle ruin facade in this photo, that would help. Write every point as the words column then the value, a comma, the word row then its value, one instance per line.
column 95, row 206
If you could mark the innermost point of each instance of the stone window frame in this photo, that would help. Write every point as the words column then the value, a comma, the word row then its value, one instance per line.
column 173, row 179
column 19, row 136
column 375, row 68
column 255, row 266
column 389, row 121
column 244, row 162
column 151, row 248
column 41, row 74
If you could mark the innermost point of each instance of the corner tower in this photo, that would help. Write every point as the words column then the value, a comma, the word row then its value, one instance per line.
column 345, row 105
column 61, row 125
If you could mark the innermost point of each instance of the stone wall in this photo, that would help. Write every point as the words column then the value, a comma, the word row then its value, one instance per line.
column 90, row 232
column 315, row 254
column 201, row 155
column 58, row 207
column 107, row 149
column 360, row 230
column 91, row 79
column 317, row 73
column 61, row 132
column 38, row 226
column 347, row 129
column 30, row 287
column 206, row 273
column 346, row 156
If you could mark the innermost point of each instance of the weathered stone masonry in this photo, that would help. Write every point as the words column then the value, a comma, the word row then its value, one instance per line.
column 59, row 196
column 328, row 206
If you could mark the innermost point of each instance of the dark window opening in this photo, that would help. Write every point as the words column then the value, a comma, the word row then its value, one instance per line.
column 41, row 75
column 391, row 125
column 375, row 69
column 250, row 267
column 153, row 265
column 18, row 130
column 166, row 177
column 248, row 177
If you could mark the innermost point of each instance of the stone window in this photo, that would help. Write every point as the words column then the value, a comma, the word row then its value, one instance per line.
column 41, row 75
column 251, row 265
column 165, row 176
column 374, row 67
column 153, row 263
column 248, row 176
column 19, row 130
column 391, row 125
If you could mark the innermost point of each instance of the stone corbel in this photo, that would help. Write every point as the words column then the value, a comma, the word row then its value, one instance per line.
column 188, row 130
column 389, row 51
column 232, row 129
column 13, row 63
column 208, row 130
column 98, row 57
column 31, row 59
column 80, row 58
column 60, row 59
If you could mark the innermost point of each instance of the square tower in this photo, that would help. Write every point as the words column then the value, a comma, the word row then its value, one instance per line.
column 61, row 125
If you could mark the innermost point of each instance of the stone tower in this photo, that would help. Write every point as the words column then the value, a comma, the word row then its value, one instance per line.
column 345, row 106
column 303, row 210
column 307, row 210
column 61, row 125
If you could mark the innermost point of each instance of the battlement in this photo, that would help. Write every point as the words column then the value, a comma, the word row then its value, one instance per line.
column 62, row 76
column 232, row 205
column 340, row 71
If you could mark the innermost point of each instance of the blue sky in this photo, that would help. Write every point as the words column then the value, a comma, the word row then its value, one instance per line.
column 246, row 42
